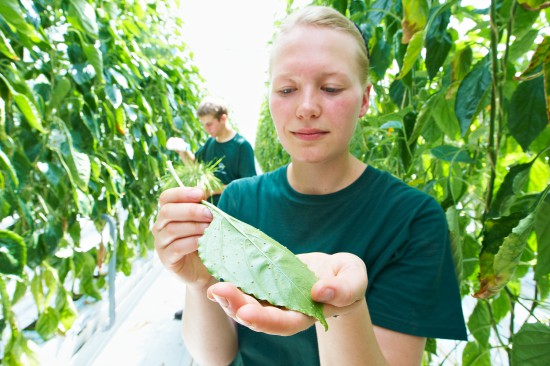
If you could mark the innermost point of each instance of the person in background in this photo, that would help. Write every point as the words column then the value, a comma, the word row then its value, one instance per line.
column 342, row 217
column 234, row 153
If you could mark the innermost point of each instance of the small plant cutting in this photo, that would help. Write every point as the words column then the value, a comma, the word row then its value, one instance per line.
column 236, row 252
column 193, row 174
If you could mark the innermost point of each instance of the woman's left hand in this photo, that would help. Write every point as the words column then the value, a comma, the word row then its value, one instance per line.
column 341, row 287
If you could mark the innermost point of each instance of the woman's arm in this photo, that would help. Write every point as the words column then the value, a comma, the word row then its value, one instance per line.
column 208, row 333
column 353, row 340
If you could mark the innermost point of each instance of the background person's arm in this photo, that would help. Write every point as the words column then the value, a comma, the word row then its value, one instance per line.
column 186, row 156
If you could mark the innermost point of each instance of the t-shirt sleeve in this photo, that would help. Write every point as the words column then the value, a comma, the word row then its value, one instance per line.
column 247, row 167
column 417, row 292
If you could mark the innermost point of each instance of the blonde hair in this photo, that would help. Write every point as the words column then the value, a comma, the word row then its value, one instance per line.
column 326, row 17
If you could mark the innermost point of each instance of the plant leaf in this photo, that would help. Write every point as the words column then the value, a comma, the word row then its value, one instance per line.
column 531, row 345
column 527, row 115
column 13, row 254
column 236, row 252
column 497, row 269
column 471, row 92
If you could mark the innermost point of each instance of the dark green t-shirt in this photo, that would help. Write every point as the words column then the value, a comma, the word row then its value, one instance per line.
column 237, row 159
column 400, row 232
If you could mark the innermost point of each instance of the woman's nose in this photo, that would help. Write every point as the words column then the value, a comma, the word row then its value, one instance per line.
column 308, row 105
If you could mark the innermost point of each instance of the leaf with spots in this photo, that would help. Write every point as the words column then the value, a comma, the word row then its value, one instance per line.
column 245, row 256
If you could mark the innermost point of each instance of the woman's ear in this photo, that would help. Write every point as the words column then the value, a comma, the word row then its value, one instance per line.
column 366, row 100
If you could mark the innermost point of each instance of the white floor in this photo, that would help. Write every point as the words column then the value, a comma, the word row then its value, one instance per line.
column 149, row 335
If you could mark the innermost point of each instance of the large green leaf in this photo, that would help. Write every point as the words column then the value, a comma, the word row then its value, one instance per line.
column 243, row 255
column 13, row 254
column 479, row 322
column 452, row 154
column 522, row 45
column 378, row 10
column 45, row 244
column 539, row 57
column 6, row 49
column 498, row 268
column 462, row 63
column 531, row 345
column 513, row 183
column 6, row 166
column 471, row 93
column 527, row 114
column 29, row 110
column 340, row 5
column 415, row 17
column 82, row 16
column 95, row 58
column 438, row 42
column 475, row 354
column 542, row 230
column 442, row 111
column 524, row 20
column 413, row 51
column 12, row 14
column 47, row 323
column 60, row 90
column 380, row 54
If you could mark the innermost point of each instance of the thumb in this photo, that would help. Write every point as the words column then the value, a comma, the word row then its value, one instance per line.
column 347, row 286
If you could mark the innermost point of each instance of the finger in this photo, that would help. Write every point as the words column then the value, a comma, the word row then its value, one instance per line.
column 178, row 230
column 178, row 249
column 229, row 296
column 180, row 212
column 181, row 194
column 272, row 320
column 259, row 316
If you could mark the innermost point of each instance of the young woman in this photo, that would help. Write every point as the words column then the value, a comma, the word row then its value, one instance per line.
column 339, row 215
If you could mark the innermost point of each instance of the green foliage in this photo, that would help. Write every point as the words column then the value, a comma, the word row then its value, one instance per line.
column 462, row 113
column 89, row 92
column 268, row 150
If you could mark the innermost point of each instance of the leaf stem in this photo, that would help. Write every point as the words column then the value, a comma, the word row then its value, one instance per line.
column 174, row 174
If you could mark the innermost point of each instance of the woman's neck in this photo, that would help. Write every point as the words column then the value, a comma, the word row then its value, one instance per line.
column 325, row 177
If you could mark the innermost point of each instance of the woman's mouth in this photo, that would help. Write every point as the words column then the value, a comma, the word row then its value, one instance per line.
column 309, row 134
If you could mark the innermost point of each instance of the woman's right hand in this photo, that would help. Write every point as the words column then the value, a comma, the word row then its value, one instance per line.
column 181, row 220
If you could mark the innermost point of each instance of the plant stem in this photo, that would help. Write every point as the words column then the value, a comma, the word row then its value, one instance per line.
column 497, row 333
column 7, row 312
column 174, row 174
column 513, row 302
column 491, row 148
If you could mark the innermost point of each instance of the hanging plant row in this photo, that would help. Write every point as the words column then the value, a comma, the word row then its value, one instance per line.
column 89, row 93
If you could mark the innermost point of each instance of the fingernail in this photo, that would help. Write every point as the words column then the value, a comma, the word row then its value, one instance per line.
column 327, row 294
column 221, row 300
column 207, row 213
column 195, row 194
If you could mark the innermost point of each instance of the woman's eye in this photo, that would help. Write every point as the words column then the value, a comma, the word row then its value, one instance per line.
column 286, row 90
column 331, row 90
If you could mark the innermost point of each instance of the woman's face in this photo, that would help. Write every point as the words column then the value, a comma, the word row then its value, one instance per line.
column 316, row 95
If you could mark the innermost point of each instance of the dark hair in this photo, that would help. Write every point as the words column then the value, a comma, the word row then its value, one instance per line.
column 212, row 106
